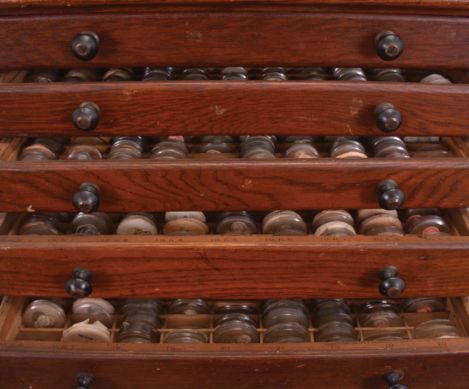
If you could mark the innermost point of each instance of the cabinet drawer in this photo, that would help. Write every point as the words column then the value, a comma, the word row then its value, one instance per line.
column 252, row 267
column 234, row 108
column 221, row 38
column 425, row 363
column 226, row 182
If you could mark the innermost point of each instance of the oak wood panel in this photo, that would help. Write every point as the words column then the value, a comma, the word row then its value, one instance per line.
column 229, row 38
column 220, row 185
column 429, row 364
column 255, row 267
column 216, row 107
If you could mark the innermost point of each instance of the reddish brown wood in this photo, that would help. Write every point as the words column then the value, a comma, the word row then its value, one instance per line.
column 215, row 107
column 422, row 4
column 256, row 267
column 223, row 39
column 431, row 364
column 236, row 184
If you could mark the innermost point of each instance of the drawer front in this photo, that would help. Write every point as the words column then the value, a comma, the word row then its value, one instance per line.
column 275, row 369
column 234, row 108
column 256, row 267
column 227, row 38
column 233, row 184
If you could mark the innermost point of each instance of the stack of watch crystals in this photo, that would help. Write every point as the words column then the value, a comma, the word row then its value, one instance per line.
column 188, row 321
column 127, row 147
column 234, row 73
column 381, row 316
column 42, row 313
column 236, row 223
column 333, row 321
column 333, row 223
column 84, row 152
column 379, row 222
column 236, row 323
column 81, row 75
column 171, row 147
column 217, row 144
column 388, row 75
column 185, row 223
column 119, row 74
column 349, row 74
column 258, row 147
column 94, row 223
column 274, row 74
column 301, row 147
column 439, row 328
column 158, row 74
column 139, row 321
column 137, row 223
column 425, row 222
column 196, row 74
column 347, row 147
column 389, row 147
column 91, row 318
column 43, row 149
column 286, row 321
column 284, row 223
column 44, row 224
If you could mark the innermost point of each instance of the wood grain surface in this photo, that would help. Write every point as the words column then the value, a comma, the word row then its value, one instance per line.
column 236, row 108
column 253, row 267
column 233, row 38
column 427, row 364
column 221, row 185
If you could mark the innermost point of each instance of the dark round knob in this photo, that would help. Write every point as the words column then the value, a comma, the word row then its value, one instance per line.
column 85, row 45
column 391, row 285
column 86, row 116
column 87, row 198
column 389, row 46
column 80, row 284
column 389, row 195
column 387, row 117
column 84, row 381
column 393, row 378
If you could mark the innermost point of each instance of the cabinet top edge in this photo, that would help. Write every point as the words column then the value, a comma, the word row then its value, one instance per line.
column 343, row 5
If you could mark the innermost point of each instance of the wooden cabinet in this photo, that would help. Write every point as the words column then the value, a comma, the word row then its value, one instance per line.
column 416, row 36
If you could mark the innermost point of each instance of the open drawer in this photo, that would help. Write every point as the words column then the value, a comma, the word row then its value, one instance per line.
column 309, row 101
column 436, row 175
column 52, row 361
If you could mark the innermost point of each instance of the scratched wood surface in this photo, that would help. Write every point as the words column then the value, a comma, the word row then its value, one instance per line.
column 221, row 185
column 235, row 108
column 233, row 38
column 204, row 370
column 252, row 267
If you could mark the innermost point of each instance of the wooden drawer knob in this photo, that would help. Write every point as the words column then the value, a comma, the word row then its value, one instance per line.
column 393, row 378
column 86, row 116
column 87, row 198
column 84, row 381
column 85, row 45
column 389, row 195
column 391, row 285
column 80, row 284
column 387, row 117
column 389, row 46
